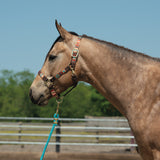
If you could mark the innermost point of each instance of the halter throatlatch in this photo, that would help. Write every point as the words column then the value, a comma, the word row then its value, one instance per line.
column 71, row 67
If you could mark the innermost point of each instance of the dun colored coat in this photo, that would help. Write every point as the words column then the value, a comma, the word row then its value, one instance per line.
column 128, row 79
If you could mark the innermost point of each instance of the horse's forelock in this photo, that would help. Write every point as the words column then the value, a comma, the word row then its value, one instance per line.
column 59, row 39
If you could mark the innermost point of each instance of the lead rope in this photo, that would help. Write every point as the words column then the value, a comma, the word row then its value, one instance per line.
column 55, row 122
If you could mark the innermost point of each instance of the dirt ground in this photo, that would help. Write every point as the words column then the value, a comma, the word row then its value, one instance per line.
column 67, row 156
column 63, row 149
column 29, row 152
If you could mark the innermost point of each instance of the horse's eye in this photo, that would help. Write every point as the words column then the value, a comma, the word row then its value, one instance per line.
column 52, row 57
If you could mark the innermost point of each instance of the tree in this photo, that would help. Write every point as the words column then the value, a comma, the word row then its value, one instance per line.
column 15, row 101
column 102, row 107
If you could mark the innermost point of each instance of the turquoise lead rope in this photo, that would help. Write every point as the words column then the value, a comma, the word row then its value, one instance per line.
column 55, row 122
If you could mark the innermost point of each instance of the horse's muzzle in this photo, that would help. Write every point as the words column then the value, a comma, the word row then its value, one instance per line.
column 37, row 100
column 31, row 97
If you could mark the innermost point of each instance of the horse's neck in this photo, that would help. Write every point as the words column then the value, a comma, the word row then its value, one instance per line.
column 113, row 76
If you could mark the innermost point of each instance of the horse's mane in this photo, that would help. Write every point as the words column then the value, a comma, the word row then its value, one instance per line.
column 109, row 44
column 122, row 48
column 59, row 38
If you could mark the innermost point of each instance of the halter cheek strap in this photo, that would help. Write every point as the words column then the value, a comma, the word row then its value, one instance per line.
column 71, row 67
column 48, row 83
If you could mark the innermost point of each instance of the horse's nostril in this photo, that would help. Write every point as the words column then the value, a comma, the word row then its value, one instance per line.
column 35, row 99
column 30, row 92
column 31, row 97
column 41, row 96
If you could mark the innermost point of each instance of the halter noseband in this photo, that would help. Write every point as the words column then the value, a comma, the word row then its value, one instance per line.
column 71, row 67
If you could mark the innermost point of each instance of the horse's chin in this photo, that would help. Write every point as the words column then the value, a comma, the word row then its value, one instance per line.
column 44, row 103
column 44, row 100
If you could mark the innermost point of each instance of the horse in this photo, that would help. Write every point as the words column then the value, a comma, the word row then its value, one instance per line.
column 130, row 80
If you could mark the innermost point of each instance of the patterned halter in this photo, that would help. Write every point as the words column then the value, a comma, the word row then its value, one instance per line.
column 71, row 67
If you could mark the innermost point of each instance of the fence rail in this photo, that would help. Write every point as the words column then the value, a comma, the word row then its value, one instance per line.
column 95, row 130
column 72, row 144
column 63, row 119
column 66, row 135
column 68, row 127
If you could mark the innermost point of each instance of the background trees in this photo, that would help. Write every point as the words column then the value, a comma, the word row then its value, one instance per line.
column 83, row 100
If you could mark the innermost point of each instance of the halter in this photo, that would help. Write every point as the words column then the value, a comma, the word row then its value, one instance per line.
column 71, row 67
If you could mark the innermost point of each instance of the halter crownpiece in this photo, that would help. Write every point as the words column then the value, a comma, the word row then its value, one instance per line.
column 71, row 67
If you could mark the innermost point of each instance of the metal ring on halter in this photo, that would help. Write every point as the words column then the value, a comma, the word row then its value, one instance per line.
column 60, row 100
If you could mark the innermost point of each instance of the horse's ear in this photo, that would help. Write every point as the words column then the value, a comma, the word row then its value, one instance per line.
column 64, row 34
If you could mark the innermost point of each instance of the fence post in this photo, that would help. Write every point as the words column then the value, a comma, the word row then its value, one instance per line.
column 133, row 149
column 58, row 138
column 97, row 133
column 20, row 131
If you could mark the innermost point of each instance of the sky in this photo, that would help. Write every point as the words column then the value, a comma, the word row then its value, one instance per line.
column 27, row 27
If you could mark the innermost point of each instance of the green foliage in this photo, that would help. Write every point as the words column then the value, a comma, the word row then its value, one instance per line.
column 15, row 101
column 102, row 107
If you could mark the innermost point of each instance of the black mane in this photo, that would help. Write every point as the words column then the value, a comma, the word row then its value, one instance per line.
column 59, row 39
column 107, row 43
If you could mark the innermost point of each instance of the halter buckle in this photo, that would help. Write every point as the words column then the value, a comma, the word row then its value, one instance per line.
column 72, row 70
column 75, row 53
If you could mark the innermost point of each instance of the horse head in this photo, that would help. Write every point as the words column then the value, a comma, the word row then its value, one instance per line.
column 60, row 69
